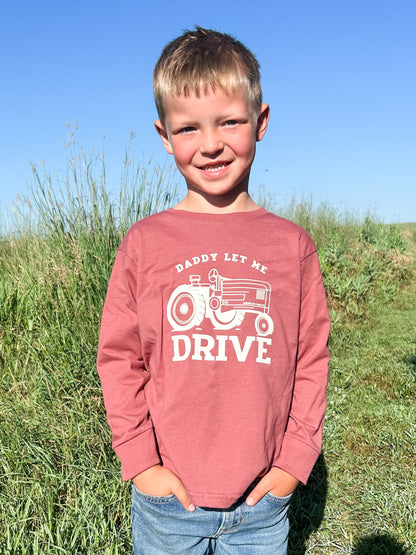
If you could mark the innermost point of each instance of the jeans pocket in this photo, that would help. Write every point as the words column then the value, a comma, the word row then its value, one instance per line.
column 153, row 498
column 278, row 500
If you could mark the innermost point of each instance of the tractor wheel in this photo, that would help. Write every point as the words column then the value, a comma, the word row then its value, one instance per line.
column 264, row 324
column 186, row 308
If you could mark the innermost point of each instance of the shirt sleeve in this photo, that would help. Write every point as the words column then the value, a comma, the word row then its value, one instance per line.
column 123, row 373
column 303, row 436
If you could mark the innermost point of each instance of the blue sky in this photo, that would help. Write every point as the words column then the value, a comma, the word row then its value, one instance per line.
column 339, row 76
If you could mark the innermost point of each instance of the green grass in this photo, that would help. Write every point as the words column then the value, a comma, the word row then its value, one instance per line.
column 60, row 487
column 369, row 446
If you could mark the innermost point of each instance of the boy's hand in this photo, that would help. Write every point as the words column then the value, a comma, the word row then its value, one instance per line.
column 159, row 481
column 277, row 481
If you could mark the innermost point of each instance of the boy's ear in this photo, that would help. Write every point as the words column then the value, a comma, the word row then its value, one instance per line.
column 262, row 121
column 160, row 128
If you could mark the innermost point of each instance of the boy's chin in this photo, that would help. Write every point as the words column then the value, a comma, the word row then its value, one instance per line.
column 230, row 201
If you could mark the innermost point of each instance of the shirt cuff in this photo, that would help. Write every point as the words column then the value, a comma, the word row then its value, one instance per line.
column 297, row 458
column 138, row 454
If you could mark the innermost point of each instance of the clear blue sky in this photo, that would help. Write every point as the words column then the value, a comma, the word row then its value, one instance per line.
column 339, row 75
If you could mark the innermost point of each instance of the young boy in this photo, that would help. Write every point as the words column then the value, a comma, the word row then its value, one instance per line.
column 213, row 348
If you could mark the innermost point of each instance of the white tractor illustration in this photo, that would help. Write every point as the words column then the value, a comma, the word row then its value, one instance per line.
column 225, row 301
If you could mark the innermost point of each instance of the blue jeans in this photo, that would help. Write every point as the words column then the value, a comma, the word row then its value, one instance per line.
column 162, row 526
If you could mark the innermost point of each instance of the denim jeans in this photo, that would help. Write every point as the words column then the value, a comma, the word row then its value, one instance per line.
column 162, row 526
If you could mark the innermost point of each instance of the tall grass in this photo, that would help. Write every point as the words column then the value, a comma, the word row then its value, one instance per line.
column 60, row 489
column 57, row 263
column 362, row 260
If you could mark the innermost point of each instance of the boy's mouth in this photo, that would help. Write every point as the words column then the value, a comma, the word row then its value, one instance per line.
column 215, row 167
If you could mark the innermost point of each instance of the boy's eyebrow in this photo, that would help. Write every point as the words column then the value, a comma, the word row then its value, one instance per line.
column 236, row 115
column 185, row 123
column 232, row 114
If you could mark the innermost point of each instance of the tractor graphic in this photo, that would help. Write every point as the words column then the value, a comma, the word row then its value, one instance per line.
column 225, row 301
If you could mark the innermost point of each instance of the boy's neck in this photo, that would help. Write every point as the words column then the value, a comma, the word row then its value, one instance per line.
column 212, row 204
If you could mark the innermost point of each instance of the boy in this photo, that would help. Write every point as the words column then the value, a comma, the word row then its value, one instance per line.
column 213, row 348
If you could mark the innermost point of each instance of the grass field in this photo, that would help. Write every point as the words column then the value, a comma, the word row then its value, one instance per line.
column 60, row 488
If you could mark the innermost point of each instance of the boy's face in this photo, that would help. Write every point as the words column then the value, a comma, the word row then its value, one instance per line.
column 213, row 139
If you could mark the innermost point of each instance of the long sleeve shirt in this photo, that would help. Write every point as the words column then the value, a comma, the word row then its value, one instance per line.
column 213, row 351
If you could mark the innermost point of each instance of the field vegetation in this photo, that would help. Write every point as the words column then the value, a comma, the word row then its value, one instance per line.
column 60, row 487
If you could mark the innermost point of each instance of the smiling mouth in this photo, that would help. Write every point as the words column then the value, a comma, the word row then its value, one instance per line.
column 215, row 167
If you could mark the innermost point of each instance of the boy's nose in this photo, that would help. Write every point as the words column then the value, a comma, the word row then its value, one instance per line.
column 211, row 144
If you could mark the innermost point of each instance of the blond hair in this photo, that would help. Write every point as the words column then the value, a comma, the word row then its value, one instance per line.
column 199, row 61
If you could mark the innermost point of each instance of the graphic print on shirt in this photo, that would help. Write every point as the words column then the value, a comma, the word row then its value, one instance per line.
column 206, row 311
column 224, row 300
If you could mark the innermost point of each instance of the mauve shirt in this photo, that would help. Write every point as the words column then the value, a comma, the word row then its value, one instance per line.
column 213, row 351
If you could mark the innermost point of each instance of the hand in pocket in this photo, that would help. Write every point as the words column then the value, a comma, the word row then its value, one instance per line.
column 159, row 482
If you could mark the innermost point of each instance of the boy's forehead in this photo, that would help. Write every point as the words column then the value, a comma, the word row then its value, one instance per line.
column 208, row 94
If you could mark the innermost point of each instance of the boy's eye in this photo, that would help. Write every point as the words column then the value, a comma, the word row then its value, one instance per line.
column 231, row 122
column 187, row 129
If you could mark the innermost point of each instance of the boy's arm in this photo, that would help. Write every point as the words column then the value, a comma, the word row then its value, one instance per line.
column 303, row 436
column 123, row 373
